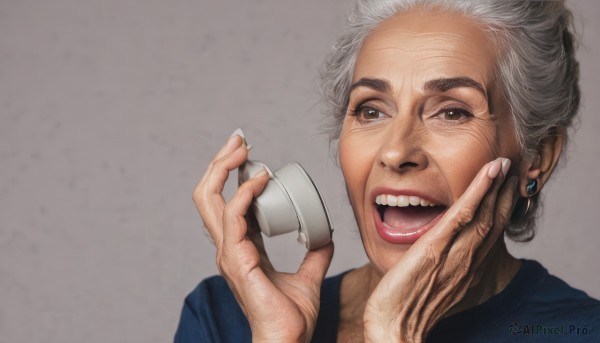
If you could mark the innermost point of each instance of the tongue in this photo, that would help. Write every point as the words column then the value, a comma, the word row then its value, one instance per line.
column 411, row 217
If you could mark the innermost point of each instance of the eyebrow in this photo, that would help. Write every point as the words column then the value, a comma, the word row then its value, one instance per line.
column 439, row 85
column 446, row 84
column 376, row 84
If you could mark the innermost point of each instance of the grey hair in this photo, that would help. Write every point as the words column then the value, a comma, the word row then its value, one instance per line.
column 536, row 69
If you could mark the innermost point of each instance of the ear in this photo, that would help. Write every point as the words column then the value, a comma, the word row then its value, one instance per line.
column 544, row 162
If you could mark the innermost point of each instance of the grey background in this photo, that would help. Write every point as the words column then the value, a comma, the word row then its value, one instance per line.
column 110, row 111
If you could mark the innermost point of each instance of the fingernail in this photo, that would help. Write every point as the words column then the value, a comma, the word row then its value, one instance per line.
column 233, row 138
column 240, row 133
column 505, row 166
column 260, row 174
column 494, row 169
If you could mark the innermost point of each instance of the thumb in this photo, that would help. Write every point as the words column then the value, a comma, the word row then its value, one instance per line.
column 315, row 264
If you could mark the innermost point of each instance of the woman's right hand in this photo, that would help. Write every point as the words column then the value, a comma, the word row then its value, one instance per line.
column 280, row 307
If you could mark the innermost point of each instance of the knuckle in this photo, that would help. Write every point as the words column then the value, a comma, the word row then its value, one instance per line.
column 223, row 265
column 202, row 204
column 483, row 228
column 503, row 215
column 464, row 265
column 431, row 257
column 218, row 164
column 463, row 261
column 197, row 195
column 232, row 215
column 465, row 216
column 212, row 164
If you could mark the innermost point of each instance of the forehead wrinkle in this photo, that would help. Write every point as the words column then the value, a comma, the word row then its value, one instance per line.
column 454, row 44
column 451, row 52
column 403, row 35
column 447, row 48
column 436, row 50
column 403, row 31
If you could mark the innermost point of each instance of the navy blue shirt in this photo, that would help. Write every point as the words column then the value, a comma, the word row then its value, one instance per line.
column 534, row 307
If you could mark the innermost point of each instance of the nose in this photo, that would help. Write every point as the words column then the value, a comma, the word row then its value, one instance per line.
column 403, row 147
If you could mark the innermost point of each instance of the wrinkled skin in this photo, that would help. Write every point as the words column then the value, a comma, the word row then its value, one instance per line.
column 450, row 141
column 280, row 307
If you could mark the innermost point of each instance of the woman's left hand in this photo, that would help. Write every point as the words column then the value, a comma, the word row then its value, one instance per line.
column 436, row 272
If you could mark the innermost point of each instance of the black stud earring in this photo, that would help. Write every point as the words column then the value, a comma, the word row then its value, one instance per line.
column 531, row 187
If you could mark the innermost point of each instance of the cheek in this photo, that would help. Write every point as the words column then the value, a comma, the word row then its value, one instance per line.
column 356, row 154
column 461, row 157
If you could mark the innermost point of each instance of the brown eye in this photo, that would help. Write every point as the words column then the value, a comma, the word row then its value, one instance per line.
column 369, row 113
column 453, row 114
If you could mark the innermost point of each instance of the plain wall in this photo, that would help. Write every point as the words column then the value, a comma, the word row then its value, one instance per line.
column 109, row 113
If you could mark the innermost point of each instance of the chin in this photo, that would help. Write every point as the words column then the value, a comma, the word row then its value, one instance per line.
column 382, row 254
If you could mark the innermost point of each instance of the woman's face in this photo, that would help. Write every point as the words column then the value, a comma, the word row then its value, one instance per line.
column 423, row 118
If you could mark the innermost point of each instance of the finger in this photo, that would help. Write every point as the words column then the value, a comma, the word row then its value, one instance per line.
column 237, row 257
column 218, row 170
column 433, row 248
column 236, row 138
column 232, row 144
column 315, row 264
column 472, row 244
column 503, row 211
column 479, row 227
column 253, row 233
column 234, row 222
column 461, row 253
column 462, row 212
column 207, row 194
column 504, row 208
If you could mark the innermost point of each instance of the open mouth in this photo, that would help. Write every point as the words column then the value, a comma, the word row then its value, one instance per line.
column 403, row 219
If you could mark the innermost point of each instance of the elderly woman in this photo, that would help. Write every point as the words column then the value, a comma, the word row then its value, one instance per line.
column 451, row 116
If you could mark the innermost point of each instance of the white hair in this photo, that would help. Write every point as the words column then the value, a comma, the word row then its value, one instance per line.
column 536, row 70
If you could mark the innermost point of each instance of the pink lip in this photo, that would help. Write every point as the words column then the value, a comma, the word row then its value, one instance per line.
column 396, row 236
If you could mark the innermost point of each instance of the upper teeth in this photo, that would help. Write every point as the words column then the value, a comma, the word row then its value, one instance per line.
column 401, row 200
